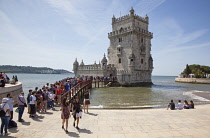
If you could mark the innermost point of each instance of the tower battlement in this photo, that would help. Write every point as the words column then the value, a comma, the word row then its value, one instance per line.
column 128, row 16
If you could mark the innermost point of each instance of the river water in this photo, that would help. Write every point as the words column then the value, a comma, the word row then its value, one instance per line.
column 164, row 89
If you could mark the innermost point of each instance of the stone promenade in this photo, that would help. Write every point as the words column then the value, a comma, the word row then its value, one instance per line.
column 120, row 124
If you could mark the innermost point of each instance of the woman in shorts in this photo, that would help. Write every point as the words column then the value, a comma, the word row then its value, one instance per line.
column 76, row 111
column 86, row 100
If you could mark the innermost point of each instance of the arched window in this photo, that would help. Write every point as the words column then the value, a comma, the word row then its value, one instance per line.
column 119, row 60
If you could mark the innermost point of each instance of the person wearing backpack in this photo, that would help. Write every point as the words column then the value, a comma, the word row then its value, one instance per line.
column 45, row 100
column 5, row 115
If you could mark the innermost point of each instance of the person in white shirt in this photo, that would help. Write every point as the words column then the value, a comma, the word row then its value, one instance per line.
column 51, row 99
column 10, row 103
column 179, row 105
column 32, row 104
column 4, row 120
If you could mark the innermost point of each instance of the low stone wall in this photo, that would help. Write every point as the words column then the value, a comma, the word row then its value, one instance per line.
column 193, row 80
column 15, row 90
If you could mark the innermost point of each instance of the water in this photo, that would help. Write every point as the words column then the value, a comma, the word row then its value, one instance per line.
column 30, row 81
column 164, row 89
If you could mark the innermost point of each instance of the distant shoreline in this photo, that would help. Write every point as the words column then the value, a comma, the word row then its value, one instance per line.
column 31, row 70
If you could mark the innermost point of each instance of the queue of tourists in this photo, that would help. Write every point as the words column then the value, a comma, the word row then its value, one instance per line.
column 180, row 105
column 41, row 100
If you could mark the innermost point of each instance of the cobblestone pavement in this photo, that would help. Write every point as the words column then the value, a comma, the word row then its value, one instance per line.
column 120, row 124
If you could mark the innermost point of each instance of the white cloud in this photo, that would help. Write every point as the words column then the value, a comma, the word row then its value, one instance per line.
column 146, row 6
column 171, row 37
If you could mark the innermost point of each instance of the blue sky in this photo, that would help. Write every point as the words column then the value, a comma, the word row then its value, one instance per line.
column 52, row 33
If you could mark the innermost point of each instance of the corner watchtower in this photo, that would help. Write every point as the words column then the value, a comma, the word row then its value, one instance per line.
column 132, row 11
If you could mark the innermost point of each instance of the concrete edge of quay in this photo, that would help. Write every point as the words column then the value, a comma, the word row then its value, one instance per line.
column 193, row 80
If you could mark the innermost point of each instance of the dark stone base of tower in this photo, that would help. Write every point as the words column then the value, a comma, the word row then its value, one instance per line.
column 140, row 84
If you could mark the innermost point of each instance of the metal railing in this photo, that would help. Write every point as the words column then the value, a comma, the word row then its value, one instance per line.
column 77, row 90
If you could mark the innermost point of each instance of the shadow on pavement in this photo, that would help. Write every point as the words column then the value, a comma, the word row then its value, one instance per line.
column 92, row 114
column 73, row 134
column 37, row 118
column 84, row 131
column 48, row 113
column 7, row 136
column 25, row 123
column 13, row 130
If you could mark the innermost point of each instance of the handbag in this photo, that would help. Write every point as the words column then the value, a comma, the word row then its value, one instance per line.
column 25, row 105
column 17, row 110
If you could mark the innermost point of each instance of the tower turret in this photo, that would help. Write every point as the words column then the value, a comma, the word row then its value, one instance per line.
column 82, row 63
column 104, row 62
column 75, row 66
column 132, row 11
column 113, row 19
column 147, row 18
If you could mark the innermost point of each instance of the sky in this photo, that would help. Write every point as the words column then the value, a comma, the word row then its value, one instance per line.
column 52, row 33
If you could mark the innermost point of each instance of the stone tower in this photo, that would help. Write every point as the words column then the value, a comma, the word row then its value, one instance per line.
column 75, row 67
column 129, row 50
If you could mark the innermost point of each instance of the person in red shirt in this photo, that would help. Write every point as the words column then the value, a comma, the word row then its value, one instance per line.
column 58, row 94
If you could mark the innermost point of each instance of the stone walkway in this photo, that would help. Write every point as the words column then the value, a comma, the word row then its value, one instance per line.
column 120, row 124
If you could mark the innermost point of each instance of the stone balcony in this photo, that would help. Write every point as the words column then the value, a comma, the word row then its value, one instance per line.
column 129, row 29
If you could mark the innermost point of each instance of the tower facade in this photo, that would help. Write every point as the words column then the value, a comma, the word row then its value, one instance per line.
column 130, row 49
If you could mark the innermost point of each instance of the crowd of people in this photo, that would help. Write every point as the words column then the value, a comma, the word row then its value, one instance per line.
column 180, row 105
column 41, row 100
column 104, row 78
column 4, row 79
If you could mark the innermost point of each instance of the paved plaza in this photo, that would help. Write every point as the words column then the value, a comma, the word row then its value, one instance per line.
column 120, row 124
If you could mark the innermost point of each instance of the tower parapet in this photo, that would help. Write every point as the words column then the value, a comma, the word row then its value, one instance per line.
column 128, row 30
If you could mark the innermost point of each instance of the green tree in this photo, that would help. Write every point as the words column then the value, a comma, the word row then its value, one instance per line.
column 187, row 70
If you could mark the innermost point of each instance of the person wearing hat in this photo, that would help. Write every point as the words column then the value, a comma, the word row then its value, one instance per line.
column 5, row 119
column 21, row 106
